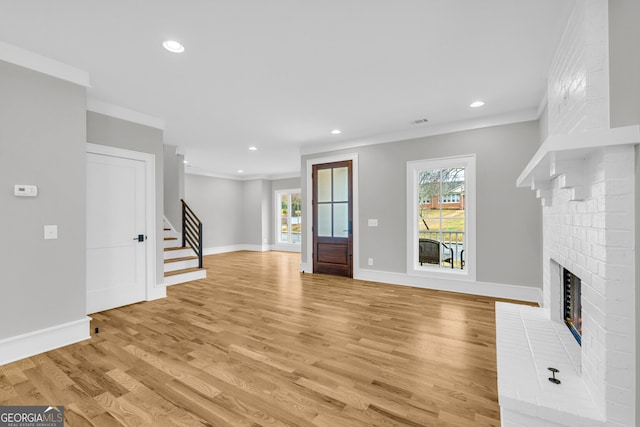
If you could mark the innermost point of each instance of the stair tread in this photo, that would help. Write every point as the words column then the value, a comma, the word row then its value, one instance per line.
column 186, row 270
column 184, row 258
column 177, row 248
column 167, row 229
column 170, row 238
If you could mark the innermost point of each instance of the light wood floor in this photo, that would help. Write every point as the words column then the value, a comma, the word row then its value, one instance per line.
column 259, row 344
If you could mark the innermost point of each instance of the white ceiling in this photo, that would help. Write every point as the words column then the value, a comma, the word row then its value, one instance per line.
column 281, row 74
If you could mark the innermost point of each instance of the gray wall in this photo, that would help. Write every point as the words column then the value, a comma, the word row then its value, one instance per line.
column 234, row 212
column 267, row 215
column 252, row 212
column 173, row 186
column 624, row 62
column 285, row 184
column 501, row 152
column 42, row 142
column 219, row 203
column 105, row 130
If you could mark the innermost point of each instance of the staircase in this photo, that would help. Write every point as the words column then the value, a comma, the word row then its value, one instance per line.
column 181, row 264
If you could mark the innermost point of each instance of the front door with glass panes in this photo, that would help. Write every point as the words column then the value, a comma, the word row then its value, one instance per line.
column 332, row 219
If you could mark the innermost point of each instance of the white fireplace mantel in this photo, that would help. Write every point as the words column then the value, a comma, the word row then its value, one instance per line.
column 563, row 156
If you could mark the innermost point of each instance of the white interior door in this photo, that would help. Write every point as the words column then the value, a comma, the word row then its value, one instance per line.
column 115, row 217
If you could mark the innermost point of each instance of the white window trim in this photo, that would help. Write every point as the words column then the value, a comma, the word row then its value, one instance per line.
column 277, row 243
column 413, row 266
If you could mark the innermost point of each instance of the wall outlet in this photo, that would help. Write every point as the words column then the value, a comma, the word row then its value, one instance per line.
column 50, row 232
column 370, row 261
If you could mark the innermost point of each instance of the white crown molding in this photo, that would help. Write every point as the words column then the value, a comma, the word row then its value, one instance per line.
column 118, row 112
column 192, row 170
column 542, row 105
column 283, row 176
column 201, row 172
column 424, row 131
column 42, row 64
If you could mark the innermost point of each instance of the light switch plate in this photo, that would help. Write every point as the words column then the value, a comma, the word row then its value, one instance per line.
column 372, row 222
column 50, row 232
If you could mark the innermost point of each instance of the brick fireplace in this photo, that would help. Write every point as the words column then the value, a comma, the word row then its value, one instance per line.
column 594, row 238
column 584, row 175
column 588, row 229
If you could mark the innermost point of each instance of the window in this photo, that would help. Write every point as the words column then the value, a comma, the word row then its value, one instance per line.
column 441, row 217
column 288, row 216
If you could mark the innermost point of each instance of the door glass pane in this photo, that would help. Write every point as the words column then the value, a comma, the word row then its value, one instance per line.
column 324, row 220
column 340, row 219
column 324, row 185
column 340, row 184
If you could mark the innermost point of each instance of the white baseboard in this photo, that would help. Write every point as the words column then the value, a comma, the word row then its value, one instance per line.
column 235, row 248
column 36, row 342
column 222, row 249
column 256, row 248
column 157, row 292
column 306, row 267
column 286, row 247
column 496, row 290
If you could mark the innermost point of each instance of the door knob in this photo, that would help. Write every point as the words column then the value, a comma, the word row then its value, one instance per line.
column 140, row 238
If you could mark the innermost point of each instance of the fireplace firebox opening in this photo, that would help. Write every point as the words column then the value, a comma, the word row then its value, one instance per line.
column 572, row 307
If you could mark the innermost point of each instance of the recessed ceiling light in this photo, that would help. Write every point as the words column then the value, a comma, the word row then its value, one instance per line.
column 185, row 161
column 240, row 171
column 336, row 131
column 476, row 104
column 173, row 46
column 253, row 148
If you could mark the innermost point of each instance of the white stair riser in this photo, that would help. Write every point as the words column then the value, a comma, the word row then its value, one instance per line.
column 172, row 243
column 180, row 265
column 181, row 253
column 186, row 277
